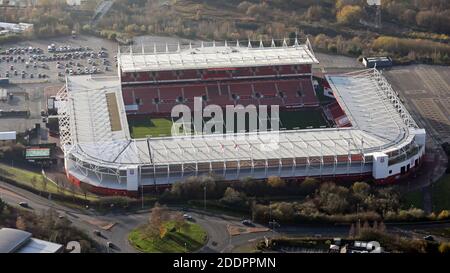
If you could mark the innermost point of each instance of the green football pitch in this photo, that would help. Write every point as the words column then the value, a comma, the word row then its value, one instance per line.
column 158, row 127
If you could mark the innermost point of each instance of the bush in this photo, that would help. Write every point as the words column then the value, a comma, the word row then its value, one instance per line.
column 445, row 214
column 193, row 188
column 444, row 248
column 115, row 202
column 233, row 198
column 309, row 186
column 349, row 14
column 276, row 182
column 2, row 206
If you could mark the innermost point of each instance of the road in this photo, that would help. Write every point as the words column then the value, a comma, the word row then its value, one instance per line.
column 116, row 226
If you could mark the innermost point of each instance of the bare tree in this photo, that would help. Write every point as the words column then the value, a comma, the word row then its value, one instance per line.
column 33, row 181
column 351, row 233
column 179, row 221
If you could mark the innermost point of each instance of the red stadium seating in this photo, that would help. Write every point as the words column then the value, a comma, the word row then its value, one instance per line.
column 170, row 93
column 243, row 72
column 265, row 71
column 165, row 75
column 128, row 95
column 143, row 77
column 218, row 96
column 335, row 113
column 188, row 74
column 127, row 77
column 304, row 69
column 307, row 90
column 243, row 90
column 265, row 88
column 298, row 92
column 286, row 70
column 191, row 91
column 161, row 97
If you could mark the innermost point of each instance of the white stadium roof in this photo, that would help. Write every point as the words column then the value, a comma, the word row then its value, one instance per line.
column 214, row 56
column 380, row 123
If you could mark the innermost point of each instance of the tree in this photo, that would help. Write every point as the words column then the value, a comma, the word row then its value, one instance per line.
column 381, row 227
column 2, row 206
column 351, row 233
column 233, row 197
column 44, row 183
column 314, row 13
column 309, row 186
column 444, row 248
column 361, row 188
column 366, row 225
column 333, row 199
column 349, row 14
column 157, row 221
column 33, row 181
column 445, row 214
column 276, row 182
column 179, row 221
column 20, row 223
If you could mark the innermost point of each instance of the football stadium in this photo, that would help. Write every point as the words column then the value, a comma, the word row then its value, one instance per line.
column 118, row 138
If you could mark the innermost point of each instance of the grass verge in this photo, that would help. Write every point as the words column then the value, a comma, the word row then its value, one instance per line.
column 37, row 181
column 187, row 239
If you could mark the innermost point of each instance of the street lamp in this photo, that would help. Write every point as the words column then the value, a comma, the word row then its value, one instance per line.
column 204, row 197
column 142, row 194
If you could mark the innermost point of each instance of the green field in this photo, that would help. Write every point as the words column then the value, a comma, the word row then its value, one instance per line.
column 157, row 127
column 143, row 127
column 188, row 239
column 302, row 119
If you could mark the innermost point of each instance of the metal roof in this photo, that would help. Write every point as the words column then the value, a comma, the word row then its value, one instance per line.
column 40, row 246
column 380, row 123
column 206, row 56
column 12, row 239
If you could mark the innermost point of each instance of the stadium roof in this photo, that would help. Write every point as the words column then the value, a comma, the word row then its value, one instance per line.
column 214, row 56
column 380, row 123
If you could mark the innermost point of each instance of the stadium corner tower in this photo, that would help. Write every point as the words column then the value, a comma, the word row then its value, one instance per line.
column 382, row 141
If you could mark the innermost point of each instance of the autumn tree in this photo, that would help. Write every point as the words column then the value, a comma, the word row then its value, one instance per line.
column 349, row 14
column 20, row 223
column 158, row 218
column 179, row 221
column 276, row 182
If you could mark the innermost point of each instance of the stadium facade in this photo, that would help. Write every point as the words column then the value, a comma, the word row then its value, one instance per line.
column 380, row 139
